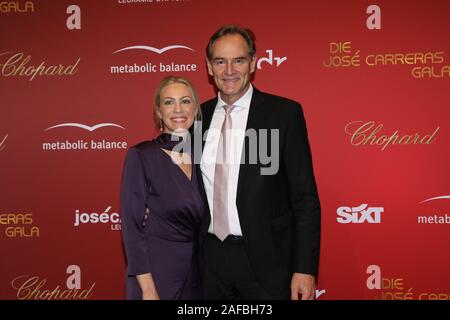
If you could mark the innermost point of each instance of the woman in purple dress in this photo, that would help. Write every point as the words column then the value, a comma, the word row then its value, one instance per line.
column 161, row 207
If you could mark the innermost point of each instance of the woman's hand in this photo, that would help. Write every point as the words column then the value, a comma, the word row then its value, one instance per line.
column 150, row 295
column 147, row 286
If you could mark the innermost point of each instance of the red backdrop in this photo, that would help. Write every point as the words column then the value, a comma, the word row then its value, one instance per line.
column 376, row 103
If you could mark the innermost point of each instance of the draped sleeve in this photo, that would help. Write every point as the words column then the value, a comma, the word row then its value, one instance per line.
column 133, row 196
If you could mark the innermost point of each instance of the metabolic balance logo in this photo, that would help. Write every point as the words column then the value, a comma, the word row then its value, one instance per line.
column 34, row 287
column 16, row 6
column 81, row 144
column 3, row 142
column 19, row 65
column 435, row 218
column 155, row 65
column 85, row 127
column 370, row 134
column 153, row 49
column 105, row 217
column 360, row 214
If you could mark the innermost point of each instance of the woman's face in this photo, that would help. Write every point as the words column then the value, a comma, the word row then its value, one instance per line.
column 177, row 109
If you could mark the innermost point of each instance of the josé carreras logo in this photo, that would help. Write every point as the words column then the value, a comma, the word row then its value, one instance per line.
column 16, row 6
column 107, row 216
column 360, row 214
column 170, row 58
column 19, row 225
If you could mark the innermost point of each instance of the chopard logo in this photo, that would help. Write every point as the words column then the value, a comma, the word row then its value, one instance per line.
column 85, row 127
column 151, row 2
column 36, row 288
column 367, row 133
column 153, row 49
column 3, row 143
column 19, row 65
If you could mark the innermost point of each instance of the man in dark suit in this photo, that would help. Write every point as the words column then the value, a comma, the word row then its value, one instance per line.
column 260, row 238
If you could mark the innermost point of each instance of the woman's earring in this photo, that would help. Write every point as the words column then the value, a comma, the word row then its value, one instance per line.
column 161, row 125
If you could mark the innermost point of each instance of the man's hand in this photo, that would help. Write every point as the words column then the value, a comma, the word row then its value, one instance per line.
column 304, row 285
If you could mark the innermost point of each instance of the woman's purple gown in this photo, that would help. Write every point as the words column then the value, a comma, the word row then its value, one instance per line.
column 161, row 211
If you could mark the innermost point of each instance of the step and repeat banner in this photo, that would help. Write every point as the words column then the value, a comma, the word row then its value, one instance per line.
column 77, row 80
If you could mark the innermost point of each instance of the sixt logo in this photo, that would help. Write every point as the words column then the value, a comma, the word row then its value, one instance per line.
column 360, row 214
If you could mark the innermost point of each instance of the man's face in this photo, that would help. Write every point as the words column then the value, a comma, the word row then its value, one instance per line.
column 231, row 67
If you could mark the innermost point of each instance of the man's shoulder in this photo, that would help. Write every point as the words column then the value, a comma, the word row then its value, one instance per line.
column 259, row 97
column 284, row 105
column 269, row 97
column 211, row 103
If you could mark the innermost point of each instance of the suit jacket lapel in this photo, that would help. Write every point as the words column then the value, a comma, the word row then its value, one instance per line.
column 207, row 114
column 253, row 122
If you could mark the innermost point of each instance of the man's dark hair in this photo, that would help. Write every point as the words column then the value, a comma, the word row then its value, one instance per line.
column 231, row 29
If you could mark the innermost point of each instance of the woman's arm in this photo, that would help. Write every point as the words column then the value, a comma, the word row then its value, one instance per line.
column 147, row 286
